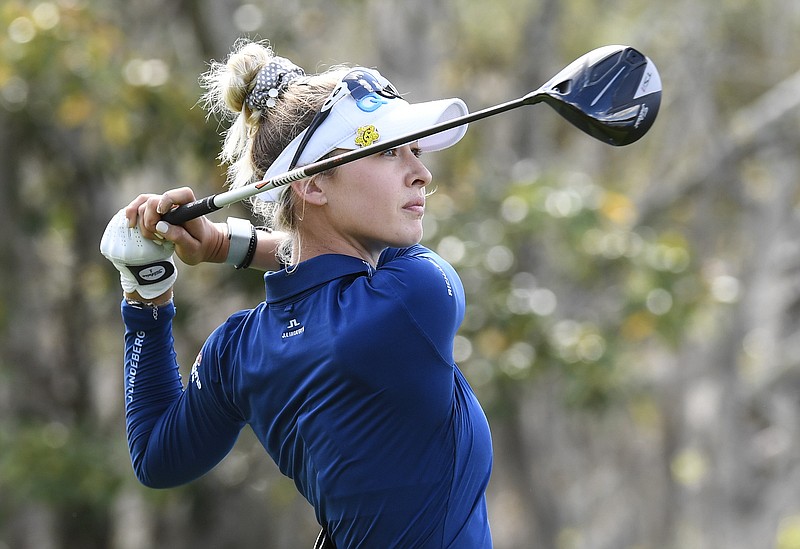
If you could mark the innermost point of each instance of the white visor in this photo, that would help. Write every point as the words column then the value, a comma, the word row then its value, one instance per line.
column 365, row 116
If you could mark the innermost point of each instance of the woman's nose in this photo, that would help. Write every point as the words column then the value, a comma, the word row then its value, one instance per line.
column 420, row 173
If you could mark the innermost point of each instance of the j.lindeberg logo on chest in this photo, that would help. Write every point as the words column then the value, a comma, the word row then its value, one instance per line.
column 293, row 329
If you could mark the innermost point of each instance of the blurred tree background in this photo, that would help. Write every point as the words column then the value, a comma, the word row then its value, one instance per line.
column 633, row 317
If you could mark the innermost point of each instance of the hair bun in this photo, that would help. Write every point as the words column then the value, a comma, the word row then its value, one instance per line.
column 271, row 81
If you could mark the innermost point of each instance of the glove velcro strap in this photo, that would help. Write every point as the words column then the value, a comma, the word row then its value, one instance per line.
column 152, row 273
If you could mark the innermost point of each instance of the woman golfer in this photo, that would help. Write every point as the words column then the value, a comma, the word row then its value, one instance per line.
column 345, row 371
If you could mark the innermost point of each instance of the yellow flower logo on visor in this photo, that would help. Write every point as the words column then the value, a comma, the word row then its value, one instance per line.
column 367, row 135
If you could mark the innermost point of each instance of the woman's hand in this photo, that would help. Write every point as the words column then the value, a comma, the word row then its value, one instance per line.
column 197, row 241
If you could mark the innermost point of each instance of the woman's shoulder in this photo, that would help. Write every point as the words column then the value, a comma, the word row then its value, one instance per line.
column 413, row 257
column 421, row 270
column 234, row 327
column 427, row 288
column 392, row 254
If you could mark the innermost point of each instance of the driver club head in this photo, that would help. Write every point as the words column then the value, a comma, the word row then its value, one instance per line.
column 612, row 93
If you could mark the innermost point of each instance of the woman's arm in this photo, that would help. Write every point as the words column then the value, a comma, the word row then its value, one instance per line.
column 175, row 435
column 199, row 240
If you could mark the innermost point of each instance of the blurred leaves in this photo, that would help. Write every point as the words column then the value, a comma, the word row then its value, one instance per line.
column 70, row 68
column 56, row 464
column 557, row 268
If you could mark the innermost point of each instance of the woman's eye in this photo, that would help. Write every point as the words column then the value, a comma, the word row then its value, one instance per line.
column 396, row 152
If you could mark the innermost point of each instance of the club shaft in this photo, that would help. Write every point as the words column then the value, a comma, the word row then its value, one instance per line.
column 204, row 206
column 620, row 123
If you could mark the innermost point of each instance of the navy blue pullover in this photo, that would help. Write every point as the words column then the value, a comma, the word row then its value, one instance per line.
column 346, row 375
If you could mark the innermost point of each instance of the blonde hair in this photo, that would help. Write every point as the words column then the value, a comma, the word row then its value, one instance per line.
column 256, row 137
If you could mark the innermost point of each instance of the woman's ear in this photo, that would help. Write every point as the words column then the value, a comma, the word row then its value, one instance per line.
column 310, row 192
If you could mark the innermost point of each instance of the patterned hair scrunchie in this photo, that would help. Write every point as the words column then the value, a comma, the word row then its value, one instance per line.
column 271, row 81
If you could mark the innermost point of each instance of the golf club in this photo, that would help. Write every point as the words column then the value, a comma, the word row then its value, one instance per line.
column 611, row 93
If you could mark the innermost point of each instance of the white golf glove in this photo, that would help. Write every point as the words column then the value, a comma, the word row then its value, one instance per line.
column 144, row 266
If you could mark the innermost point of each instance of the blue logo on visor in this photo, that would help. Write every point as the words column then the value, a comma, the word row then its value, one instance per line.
column 368, row 89
column 369, row 92
column 370, row 102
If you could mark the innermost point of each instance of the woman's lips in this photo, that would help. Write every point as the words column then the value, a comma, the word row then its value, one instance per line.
column 417, row 206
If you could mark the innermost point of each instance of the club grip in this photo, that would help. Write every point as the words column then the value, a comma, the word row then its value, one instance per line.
column 192, row 210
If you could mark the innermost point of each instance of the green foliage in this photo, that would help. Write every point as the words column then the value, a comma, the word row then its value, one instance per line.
column 75, row 71
column 564, row 283
column 58, row 465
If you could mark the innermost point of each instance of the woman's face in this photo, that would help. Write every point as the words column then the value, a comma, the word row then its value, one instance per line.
column 376, row 202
